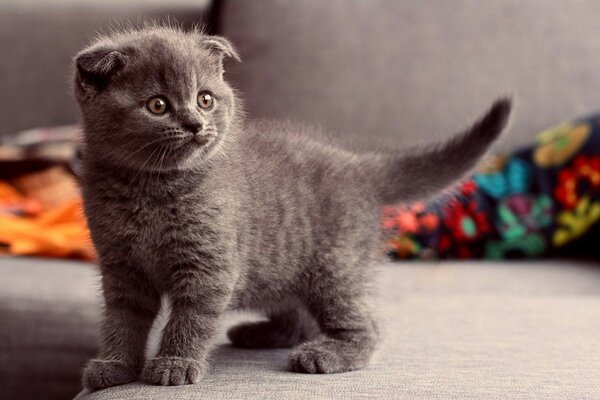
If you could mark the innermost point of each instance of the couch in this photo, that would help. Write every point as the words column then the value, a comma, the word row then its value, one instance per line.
column 374, row 73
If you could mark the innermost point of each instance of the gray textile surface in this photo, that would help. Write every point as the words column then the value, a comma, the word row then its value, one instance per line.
column 48, row 327
column 414, row 70
column 450, row 331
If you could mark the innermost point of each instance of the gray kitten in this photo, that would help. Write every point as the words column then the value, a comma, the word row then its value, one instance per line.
column 184, row 199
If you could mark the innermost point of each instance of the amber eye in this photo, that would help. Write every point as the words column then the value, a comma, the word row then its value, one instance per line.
column 157, row 105
column 205, row 100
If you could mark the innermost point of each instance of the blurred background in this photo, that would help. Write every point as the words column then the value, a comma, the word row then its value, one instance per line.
column 404, row 70
column 375, row 74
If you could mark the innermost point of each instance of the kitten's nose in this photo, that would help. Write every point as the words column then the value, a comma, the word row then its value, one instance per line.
column 193, row 127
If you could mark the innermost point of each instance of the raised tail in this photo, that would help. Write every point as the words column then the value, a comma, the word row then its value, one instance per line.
column 420, row 173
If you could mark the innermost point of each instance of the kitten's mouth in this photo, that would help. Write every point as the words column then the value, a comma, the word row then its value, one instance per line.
column 192, row 141
column 178, row 149
column 202, row 140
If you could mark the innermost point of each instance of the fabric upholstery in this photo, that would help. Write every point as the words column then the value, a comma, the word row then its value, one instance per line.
column 48, row 327
column 409, row 71
column 450, row 331
column 448, row 345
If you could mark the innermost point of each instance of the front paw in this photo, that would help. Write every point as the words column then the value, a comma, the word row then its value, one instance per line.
column 313, row 359
column 172, row 371
column 100, row 374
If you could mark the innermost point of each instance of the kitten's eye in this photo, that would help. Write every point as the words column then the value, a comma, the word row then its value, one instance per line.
column 205, row 100
column 157, row 105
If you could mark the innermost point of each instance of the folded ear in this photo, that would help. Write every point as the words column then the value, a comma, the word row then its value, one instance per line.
column 96, row 66
column 221, row 48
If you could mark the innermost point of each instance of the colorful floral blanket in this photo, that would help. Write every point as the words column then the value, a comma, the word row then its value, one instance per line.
column 525, row 204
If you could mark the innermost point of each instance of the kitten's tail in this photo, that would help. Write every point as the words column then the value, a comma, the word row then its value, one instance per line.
column 419, row 174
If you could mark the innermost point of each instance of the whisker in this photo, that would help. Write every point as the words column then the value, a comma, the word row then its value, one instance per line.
column 143, row 147
column 158, row 170
column 145, row 162
column 167, row 156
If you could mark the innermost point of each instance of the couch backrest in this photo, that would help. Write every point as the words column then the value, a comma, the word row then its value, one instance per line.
column 376, row 71
column 389, row 70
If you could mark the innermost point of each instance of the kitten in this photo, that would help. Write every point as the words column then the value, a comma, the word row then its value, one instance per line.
column 184, row 199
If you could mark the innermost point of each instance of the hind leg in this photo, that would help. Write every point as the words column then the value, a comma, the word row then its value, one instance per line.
column 282, row 330
column 349, row 334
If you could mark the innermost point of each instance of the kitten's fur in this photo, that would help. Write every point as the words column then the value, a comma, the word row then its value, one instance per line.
column 258, row 217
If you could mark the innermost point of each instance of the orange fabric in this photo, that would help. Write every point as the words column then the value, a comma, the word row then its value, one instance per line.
column 51, row 186
column 12, row 200
column 58, row 231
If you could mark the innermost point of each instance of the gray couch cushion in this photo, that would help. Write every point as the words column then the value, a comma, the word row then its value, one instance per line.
column 450, row 331
column 48, row 312
column 414, row 70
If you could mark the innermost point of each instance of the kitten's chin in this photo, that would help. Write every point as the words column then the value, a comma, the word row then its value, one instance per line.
column 195, row 156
